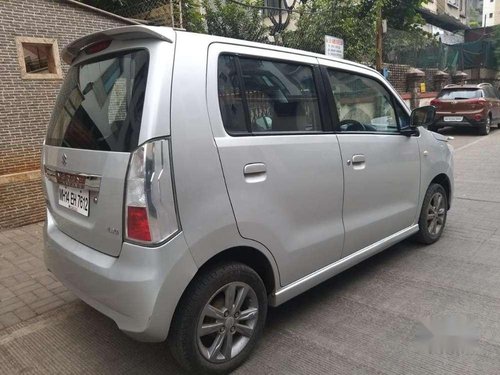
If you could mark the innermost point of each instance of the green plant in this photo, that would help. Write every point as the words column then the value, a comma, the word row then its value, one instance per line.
column 225, row 18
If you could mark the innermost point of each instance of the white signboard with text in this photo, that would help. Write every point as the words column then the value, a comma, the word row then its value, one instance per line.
column 334, row 47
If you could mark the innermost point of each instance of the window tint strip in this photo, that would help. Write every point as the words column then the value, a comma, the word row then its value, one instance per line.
column 241, row 82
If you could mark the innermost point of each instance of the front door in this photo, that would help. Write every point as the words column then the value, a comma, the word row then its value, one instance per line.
column 381, row 166
column 283, row 172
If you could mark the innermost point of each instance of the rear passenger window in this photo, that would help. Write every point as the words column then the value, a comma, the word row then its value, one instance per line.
column 362, row 103
column 278, row 97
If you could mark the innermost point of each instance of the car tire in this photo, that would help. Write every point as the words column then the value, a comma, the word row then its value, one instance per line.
column 486, row 127
column 432, row 128
column 433, row 215
column 209, row 327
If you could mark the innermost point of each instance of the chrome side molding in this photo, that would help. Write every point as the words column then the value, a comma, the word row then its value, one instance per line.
column 317, row 277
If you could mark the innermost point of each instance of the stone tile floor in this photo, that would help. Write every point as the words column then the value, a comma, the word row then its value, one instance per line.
column 27, row 289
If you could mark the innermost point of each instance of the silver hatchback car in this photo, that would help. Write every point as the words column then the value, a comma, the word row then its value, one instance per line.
column 192, row 181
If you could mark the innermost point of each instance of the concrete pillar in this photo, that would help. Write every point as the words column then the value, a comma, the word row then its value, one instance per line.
column 414, row 77
column 440, row 80
column 459, row 78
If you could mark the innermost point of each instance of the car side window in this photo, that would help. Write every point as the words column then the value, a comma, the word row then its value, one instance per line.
column 268, row 97
column 363, row 104
column 281, row 96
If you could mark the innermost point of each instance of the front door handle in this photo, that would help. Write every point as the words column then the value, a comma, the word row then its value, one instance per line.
column 254, row 172
column 357, row 161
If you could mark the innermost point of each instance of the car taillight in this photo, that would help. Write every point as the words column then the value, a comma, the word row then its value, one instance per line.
column 150, row 213
column 477, row 101
column 138, row 223
column 435, row 102
column 477, row 104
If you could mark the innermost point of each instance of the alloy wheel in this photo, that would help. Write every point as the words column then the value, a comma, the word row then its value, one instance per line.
column 436, row 214
column 227, row 322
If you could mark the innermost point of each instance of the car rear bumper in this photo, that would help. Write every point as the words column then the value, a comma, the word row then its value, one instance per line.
column 465, row 123
column 139, row 290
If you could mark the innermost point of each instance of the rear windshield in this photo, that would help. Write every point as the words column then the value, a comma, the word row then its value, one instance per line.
column 460, row 94
column 100, row 104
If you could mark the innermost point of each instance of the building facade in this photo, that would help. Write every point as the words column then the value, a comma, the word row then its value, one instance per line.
column 32, row 35
column 491, row 12
column 445, row 17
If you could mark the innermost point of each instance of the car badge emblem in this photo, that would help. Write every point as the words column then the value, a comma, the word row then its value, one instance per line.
column 454, row 102
column 64, row 159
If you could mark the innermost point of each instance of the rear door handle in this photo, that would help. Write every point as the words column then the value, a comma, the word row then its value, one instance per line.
column 358, row 159
column 255, row 172
column 254, row 168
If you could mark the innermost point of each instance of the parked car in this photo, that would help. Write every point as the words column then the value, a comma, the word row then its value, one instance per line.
column 469, row 106
column 192, row 181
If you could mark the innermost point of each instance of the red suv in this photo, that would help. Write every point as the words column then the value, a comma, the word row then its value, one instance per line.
column 476, row 106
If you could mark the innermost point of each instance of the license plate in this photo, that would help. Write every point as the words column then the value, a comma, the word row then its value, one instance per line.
column 74, row 199
column 453, row 118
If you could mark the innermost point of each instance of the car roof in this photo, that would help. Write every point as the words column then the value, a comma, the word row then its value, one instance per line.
column 71, row 51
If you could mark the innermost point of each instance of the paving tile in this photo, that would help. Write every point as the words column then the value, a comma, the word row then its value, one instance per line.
column 59, row 289
column 67, row 296
column 54, row 286
column 25, row 313
column 10, row 304
column 23, row 285
column 5, row 293
column 42, row 293
column 28, row 288
column 8, row 282
column 9, row 319
column 22, row 277
column 45, row 280
column 28, row 297
column 44, row 301
column 49, row 306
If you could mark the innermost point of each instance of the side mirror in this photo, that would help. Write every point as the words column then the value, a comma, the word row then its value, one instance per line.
column 422, row 116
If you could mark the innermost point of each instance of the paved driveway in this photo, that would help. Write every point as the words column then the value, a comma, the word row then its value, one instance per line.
column 371, row 319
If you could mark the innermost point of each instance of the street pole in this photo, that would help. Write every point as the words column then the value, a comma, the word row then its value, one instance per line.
column 378, row 42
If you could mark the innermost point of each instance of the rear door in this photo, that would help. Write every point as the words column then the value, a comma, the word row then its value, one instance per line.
column 381, row 166
column 283, row 172
column 97, row 122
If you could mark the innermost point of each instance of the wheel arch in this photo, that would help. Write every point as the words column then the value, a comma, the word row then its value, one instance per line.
column 443, row 180
column 250, row 256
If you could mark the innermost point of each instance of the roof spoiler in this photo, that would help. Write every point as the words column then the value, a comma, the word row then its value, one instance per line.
column 72, row 50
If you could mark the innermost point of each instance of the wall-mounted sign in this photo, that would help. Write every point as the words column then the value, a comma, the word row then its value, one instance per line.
column 334, row 47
